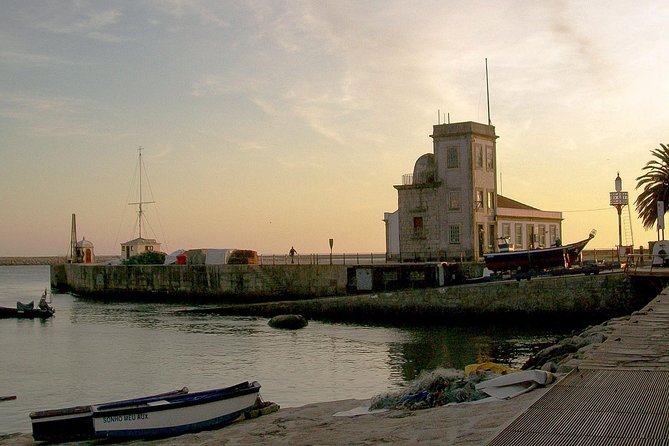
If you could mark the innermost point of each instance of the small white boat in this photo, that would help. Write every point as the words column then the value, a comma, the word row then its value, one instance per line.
column 174, row 414
column 73, row 423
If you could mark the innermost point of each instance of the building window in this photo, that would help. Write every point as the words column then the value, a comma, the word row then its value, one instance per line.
column 452, row 161
column 542, row 235
column 491, row 200
column 149, row 248
column 491, row 238
column 531, row 236
column 519, row 235
column 506, row 231
column 418, row 226
column 454, row 234
column 553, row 234
column 454, row 200
column 478, row 155
column 478, row 203
column 489, row 162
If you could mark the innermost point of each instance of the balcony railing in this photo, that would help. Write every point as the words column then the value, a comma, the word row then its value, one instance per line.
column 411, row 179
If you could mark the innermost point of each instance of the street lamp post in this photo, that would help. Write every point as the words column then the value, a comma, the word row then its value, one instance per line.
column 619, row 199
column 331, row 243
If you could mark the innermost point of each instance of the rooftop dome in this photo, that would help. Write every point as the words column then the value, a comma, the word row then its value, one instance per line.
column 84, row 244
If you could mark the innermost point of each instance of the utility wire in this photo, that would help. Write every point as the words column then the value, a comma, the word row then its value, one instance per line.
column 588, row 210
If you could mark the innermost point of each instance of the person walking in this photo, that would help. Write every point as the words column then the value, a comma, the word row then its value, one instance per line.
column 292, row 253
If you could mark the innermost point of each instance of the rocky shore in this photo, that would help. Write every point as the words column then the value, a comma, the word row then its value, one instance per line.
column 569, row 352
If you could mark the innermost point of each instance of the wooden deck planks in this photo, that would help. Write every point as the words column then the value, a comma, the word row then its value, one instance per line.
column 619, row 395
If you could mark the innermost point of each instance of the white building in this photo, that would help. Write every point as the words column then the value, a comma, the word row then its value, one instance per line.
column 526, row 227
column 138, row 246
column 449, row 209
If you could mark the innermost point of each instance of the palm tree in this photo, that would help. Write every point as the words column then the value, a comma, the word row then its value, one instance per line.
column 655, row 183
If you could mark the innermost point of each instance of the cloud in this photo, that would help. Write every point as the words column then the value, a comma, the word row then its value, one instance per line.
column 31, row 59
column 206, row 12
column 54, row 116
column 64, row 24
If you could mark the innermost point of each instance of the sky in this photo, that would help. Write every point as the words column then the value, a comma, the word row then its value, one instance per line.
column 271, row 124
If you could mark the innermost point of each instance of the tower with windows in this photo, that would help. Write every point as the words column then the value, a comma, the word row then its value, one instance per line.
column 449, row 209
column 446, row 208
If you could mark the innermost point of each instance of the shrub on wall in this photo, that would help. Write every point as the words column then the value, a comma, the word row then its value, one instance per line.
column 146, row 258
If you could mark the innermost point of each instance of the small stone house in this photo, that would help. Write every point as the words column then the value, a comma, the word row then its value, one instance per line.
column 84, row 252
column 138, row 246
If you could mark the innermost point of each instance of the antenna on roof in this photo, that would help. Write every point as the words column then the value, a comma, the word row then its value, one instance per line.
column 487, row 89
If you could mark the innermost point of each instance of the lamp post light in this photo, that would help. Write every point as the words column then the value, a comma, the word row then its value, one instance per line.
column 619, row 199
column 331, row 243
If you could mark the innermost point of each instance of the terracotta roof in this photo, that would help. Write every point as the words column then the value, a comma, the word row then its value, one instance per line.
column 504, row 202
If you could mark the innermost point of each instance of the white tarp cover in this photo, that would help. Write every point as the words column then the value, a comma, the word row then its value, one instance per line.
column 217, row 256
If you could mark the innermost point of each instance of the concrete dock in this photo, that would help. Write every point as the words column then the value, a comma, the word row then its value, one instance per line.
column 619, row 395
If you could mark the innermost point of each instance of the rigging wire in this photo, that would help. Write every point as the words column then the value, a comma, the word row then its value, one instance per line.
column 131, row 188
column 160, row 224
column 588, row 210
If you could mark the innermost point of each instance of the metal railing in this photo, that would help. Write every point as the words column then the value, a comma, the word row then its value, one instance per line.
column 360, row 258
column 600, row 255
column 324, row 259
column 411, row 179
column 635, row 261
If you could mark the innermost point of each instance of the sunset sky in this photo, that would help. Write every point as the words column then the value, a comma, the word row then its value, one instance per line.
column 271, row 124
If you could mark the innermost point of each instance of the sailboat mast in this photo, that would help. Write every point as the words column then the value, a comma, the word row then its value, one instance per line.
column 140, row 191
column 73, row 240
column 140, row 213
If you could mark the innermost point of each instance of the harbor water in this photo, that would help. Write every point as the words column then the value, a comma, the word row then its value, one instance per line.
column 94, row 351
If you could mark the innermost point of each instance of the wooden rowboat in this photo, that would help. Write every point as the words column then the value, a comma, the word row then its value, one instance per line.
column 162, row 415
column 174, row 414
column 72, row 423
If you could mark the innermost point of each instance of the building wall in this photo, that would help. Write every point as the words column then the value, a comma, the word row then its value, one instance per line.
column 392, row 222
column 418, row 217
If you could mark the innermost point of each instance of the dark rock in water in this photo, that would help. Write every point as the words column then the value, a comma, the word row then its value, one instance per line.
column 288, row 321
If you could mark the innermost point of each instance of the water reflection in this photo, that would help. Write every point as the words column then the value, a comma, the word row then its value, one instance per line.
column 456, row 347
column 408, row 351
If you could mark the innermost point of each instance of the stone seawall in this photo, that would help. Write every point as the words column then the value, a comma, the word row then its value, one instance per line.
column 201, row 282
column 559, row 300
column 19, row 261
column 45, row 260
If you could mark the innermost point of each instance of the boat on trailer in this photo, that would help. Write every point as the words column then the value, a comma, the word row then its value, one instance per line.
column 536, row 259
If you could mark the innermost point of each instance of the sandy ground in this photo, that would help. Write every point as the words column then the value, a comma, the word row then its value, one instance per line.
column 314, row 424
